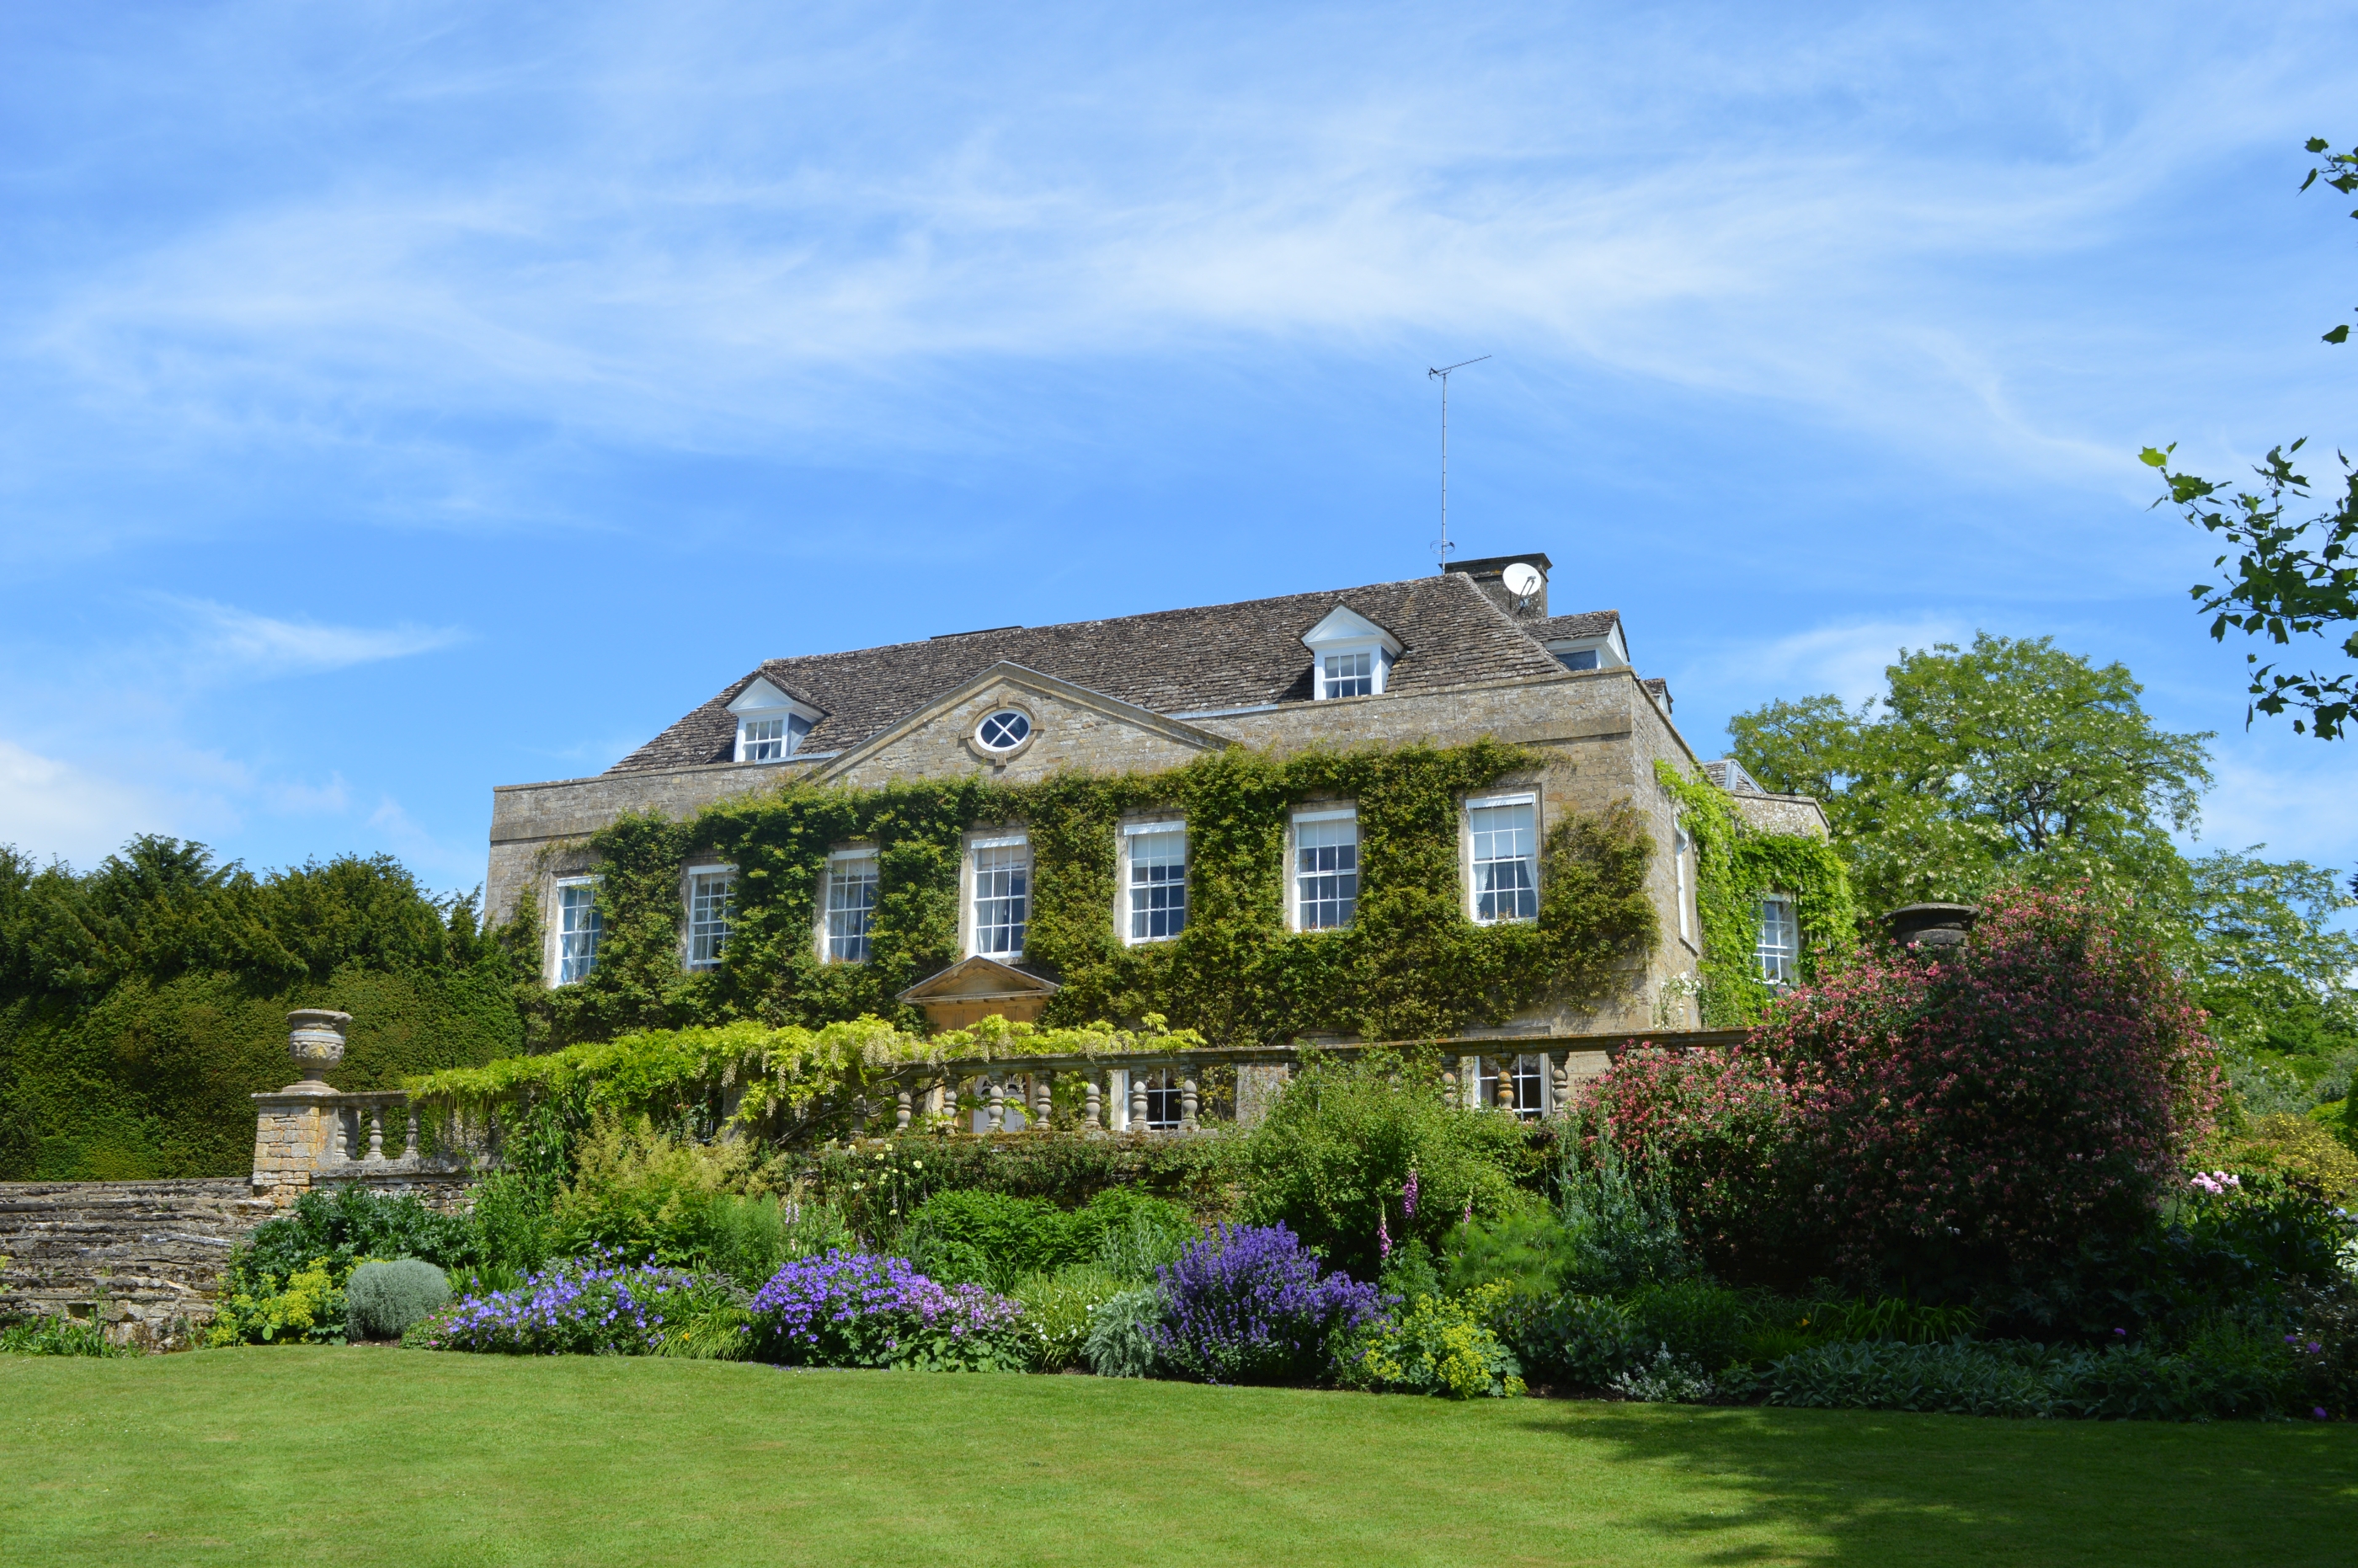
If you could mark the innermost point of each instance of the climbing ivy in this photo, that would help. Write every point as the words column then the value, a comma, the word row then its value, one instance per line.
column 1411, row 966
column 1735, row 865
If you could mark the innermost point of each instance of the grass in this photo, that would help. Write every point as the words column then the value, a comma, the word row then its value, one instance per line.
column 365, row 1457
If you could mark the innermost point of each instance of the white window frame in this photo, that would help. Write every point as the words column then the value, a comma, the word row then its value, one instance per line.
column 760, row 704
column 969, row 924
column 1528, row 1067
column 1126, row 910
column 688, row 947
column 1294, row 825
column 1790, row 954
column 1344, row 631
column 837, row 862
column 562, row 959
column 1470, row 870
column 1681, row 845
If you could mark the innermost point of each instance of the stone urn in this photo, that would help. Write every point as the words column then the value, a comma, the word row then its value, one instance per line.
column 1935, row 930
column 315, row 1038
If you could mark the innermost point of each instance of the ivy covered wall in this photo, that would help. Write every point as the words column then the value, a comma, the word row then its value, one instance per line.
column 1735, row 866
column 1412, row 964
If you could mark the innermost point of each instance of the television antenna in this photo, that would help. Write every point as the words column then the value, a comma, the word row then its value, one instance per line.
column 1442, row 545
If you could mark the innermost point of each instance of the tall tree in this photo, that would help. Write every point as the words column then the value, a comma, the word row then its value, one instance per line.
column 2009, row 761
column 2289, row 580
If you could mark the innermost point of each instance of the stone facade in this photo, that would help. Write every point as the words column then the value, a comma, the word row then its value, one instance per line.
column 1489, row 667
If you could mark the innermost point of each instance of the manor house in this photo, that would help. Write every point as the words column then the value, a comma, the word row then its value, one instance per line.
column 1441, row 660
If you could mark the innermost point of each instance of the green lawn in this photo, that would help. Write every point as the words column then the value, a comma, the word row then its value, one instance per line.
column 366, row 1456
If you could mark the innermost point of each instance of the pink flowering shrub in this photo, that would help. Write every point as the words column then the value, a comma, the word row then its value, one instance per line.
column 1719, row 1130
column 1921, row 1118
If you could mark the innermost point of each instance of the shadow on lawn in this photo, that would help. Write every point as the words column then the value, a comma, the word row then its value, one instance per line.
column 1882, row 1487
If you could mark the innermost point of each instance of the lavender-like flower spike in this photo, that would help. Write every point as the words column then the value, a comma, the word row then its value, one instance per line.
column 1408, row 1196
column 1383, row 1234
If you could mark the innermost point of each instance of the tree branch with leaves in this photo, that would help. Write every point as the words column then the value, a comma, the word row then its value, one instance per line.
column 2290, row 579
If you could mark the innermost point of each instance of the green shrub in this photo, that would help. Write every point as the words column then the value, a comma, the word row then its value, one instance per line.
column 1888, row 1317
column 991, row 1238
column 1572, row 1341
column 646, row 1192
column 305, row 1306
column 1697, row 1319
column 1332, row 1160
column 1152, row 1239
column 286, row 1282
column 382, row 1300
column 2223, row 1374
column 1433, row 1345
column 748, row 1239
column 1623, row 1228
column 58, row 1335
column 1121, row 1342
column 1057, row 1311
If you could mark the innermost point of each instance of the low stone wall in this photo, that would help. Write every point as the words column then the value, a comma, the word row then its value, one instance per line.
column 155, row 1250
column 159, row 1247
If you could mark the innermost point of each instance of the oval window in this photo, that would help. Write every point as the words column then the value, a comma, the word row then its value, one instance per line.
column 1004, row 730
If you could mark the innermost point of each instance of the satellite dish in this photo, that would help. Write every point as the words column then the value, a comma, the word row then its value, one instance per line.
column 1523, row 579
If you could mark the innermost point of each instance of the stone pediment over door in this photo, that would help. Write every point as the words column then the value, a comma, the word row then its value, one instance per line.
column 972, row 989
column 1064, row 727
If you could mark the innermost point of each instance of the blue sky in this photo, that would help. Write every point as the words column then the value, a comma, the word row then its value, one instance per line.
column 404, row 400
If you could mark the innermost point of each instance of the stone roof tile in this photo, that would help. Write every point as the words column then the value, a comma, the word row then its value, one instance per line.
column 1248, row 654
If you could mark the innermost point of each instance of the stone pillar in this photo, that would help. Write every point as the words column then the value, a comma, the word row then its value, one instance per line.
column 409, row 1137
column 997, row 1116
column 1507, row 1066
column 1469, row 1082
column 1092, row 1103
column 900, row 1108
column 1043, row 1099
column 1136, row 1100
column 1187, row 1105
column 1558, row 1084
column 377, row 1132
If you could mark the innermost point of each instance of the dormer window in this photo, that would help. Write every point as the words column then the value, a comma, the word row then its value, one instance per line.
column 1350, row 656
column 1349, row 674
column 770, row 724
column 1577, row 658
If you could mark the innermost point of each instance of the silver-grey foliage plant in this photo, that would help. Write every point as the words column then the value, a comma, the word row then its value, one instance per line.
column 382, row 1300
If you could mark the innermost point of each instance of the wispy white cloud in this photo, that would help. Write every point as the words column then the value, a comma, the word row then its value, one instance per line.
column 1847, row 659
column 722, row 244
column 50, row 808
column 226, row 640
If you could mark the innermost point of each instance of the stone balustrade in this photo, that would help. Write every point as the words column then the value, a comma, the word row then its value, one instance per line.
column 1172, row 1094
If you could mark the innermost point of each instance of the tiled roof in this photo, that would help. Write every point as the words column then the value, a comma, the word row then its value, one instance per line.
column 1563, row 628
column 1172, row 662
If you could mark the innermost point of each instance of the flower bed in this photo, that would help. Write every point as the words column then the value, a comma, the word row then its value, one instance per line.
column 1247, row 1305
column 859, row 1309
column 585, row 1306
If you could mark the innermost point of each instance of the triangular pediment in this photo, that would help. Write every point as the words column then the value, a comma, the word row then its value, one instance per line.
column 760, row 695
column 1014, row 678
column 978, row 979
column 1344, row 624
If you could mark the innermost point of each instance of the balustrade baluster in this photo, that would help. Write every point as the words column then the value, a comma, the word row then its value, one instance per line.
column 409, row 1137
column 997, row 1116
column 1187, row 1105
column 1092, row 1103
column 1043, row 1100
column 377, row 1132
column 900, row 1108
column 1136, row 1100
column 1559, row 1083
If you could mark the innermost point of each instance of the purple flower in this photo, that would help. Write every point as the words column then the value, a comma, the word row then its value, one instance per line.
column 1383, row 1236
column 1408, row 1196
column 1247, row 1305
